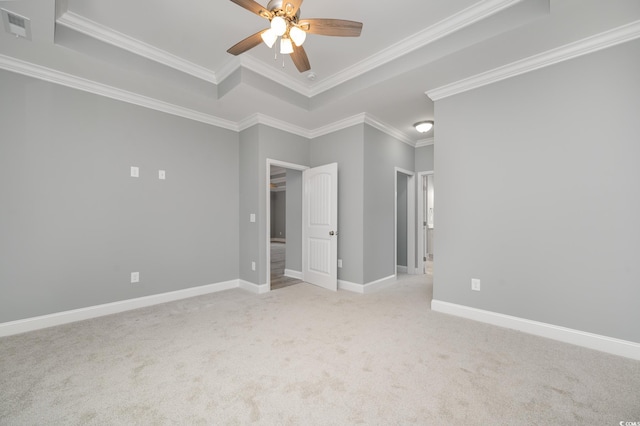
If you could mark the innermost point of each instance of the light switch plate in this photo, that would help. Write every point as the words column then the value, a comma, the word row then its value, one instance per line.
column 162, row 175
column 135, row 277
column 135, row 171
column 475, row 284
column 252, row 217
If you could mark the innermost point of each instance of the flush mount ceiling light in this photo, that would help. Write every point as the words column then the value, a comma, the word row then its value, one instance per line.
column 423, row 126
column 285, row 22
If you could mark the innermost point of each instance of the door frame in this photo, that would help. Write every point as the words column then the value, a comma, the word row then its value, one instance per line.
column 267, row 247
column 411, row 220
column 419, row 225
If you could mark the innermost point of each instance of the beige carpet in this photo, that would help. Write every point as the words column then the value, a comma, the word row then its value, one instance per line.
column 302, row 355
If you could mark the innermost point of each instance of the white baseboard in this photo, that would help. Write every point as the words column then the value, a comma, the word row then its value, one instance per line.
column 293, row 274
column 349, row 286
column 576, row 337
column 401, row 269
column 368, row 287
column 254, row 288
column 59, row 318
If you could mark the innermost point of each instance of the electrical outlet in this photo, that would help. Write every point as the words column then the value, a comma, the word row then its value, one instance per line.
column 339, row 263
column 162, row 175
column 253, row 266
column 135, row 277
column 475, row 284
column 252, row 217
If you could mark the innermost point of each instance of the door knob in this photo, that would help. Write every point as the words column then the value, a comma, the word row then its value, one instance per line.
column 332, row 233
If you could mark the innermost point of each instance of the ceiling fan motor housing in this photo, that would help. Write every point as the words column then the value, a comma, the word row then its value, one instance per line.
column 278, row 8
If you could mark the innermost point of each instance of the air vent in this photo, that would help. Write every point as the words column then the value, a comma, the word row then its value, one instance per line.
column 15, row 24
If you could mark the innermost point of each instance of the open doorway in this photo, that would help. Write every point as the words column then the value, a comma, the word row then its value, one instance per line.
column 405, row 253
column 425, row 221
column 284, row 224
column 285, row 197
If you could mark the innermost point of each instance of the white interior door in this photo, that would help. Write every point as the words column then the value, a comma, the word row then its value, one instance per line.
column 320, row 226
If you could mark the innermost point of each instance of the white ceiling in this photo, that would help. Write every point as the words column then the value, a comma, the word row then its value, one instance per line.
column 174, row 53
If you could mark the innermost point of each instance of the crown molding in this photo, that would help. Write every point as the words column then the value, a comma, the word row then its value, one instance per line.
column 274, row 74
column 338, row 125
column 462, row 19
column 360, row 119
column 569, row 51
column 425, row 142
column 57, row 77
column 53, row 76
column 385, row 128
column 100, row 32
column 266, row 120
column 228, row 68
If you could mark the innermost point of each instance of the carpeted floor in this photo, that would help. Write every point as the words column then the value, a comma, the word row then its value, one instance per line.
column 303, row 355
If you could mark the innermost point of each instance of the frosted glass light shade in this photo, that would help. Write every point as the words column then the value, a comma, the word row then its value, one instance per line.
column 423, row 126
column 285, row 46
column 297, row 35
column 279, row 25
column 269, row 37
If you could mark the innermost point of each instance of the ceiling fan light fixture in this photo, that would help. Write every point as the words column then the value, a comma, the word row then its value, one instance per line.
column 297, row 35
column 286, row 47
column 423, row 126
column 269, row 37
column 279, row 25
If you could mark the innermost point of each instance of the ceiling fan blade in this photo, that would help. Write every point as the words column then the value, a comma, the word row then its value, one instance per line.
column 300, row 59
column 246, row 44
column 291, row 7
column 254, row 7
column 331, row 27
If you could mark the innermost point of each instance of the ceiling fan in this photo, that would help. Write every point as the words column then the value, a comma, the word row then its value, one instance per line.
column 284, row 16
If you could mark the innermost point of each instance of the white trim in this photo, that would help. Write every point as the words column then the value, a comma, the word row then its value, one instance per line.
column 59, row 318
column 379, row 284
column 349, row 286
column 253, row 288
column 401, row 269
column 274, row 74
column 228, row 68
column 258, row 118
column 385, row 128
column 576, row 337
column 293, row 274
column 462, row 19
column 105, row 34
column 569, row 51
column 360, row 119
column 369, row 287
column 425, row 142
column 338, row 125
column 57, row 77
column 278, row 240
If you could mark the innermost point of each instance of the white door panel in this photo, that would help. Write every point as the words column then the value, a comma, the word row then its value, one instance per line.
column 320, row 226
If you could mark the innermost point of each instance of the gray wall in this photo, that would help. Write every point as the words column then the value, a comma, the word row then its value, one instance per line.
column 538, row 195
column 382, row 154
column 293, row 259
column 347, row 149
column 279, row 214
column 424, row 159
column 74, row 225
column 401, row 229
column 258, row 143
